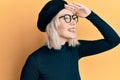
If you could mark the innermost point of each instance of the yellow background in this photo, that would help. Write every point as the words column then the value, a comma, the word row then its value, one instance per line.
column 19, row 37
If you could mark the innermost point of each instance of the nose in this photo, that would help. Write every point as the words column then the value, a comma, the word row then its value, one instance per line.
column 73, row 22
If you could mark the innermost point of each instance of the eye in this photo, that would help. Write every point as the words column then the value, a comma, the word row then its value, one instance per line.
column 75, row 18
column 67, row 18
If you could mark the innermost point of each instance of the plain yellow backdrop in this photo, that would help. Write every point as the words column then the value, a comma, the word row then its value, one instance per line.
column 19, row 37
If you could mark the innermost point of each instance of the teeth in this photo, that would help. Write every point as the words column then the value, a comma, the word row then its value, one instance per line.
column 72, row 30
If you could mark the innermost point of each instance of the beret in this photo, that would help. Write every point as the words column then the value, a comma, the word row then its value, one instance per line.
column 48, row 12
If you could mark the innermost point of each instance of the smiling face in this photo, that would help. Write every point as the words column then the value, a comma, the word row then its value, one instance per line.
column 67, row 28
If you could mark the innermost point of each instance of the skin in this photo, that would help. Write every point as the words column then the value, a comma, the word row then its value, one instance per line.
column 68, row 30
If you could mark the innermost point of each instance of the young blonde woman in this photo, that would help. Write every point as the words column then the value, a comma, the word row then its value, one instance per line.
column 58, row 59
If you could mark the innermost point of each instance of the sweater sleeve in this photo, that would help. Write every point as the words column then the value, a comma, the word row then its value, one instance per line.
column 30, row 70
column 111, row 39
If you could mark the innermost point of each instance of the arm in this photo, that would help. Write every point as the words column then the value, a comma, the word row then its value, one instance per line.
column 111, row 39
column 106, row 30
column 30, row 70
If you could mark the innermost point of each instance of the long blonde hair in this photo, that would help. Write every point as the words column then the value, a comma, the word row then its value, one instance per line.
column 53, row 38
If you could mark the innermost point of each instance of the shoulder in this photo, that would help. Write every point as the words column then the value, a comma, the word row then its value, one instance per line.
column 40, row 52
column 89, row 43
column 38, row 56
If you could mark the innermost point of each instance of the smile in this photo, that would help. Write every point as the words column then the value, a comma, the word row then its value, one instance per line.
column 71, row 30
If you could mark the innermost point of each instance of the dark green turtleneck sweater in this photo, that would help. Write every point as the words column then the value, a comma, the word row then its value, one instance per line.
column 51, row 64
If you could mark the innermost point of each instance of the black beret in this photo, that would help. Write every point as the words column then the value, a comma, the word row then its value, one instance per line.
column 48, row 12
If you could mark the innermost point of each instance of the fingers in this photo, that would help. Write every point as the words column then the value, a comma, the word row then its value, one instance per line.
column 69, row 7
column 78, row 9
column 74, row 7
column 78, row 5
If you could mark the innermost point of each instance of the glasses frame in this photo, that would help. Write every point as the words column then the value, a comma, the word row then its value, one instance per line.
column 71, row 17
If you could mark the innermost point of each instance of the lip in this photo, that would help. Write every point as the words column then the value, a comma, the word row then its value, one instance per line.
column 71, row 30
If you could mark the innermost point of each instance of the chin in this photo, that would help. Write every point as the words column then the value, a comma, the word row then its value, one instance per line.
column 72, row 37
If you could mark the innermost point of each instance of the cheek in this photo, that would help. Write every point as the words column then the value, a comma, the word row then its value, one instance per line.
column 63, row 30
column 63, row 27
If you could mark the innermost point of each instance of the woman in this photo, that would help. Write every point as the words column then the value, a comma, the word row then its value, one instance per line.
column 58, row 59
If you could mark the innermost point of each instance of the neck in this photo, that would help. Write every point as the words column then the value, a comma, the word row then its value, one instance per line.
column 63, row 41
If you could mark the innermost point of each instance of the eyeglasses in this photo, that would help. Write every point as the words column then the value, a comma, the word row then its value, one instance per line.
column 68, row 18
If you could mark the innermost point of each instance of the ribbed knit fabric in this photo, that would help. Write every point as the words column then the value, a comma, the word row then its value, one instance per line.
column 50, row 64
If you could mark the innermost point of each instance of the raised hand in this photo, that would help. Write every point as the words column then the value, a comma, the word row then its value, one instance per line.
column 78, row 9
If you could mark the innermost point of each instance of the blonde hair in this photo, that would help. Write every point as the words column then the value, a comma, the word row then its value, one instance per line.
column 53, row 38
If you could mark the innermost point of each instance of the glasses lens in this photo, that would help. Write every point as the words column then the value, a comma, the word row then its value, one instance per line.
column 75, row 18
column 67, row 18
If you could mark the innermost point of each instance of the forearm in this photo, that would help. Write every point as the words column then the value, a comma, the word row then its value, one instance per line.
column 109, row 34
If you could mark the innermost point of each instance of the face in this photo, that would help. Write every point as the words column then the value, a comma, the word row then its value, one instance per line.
column 68, row 21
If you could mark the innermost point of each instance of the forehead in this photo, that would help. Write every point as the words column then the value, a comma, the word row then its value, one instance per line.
column 65, row 11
